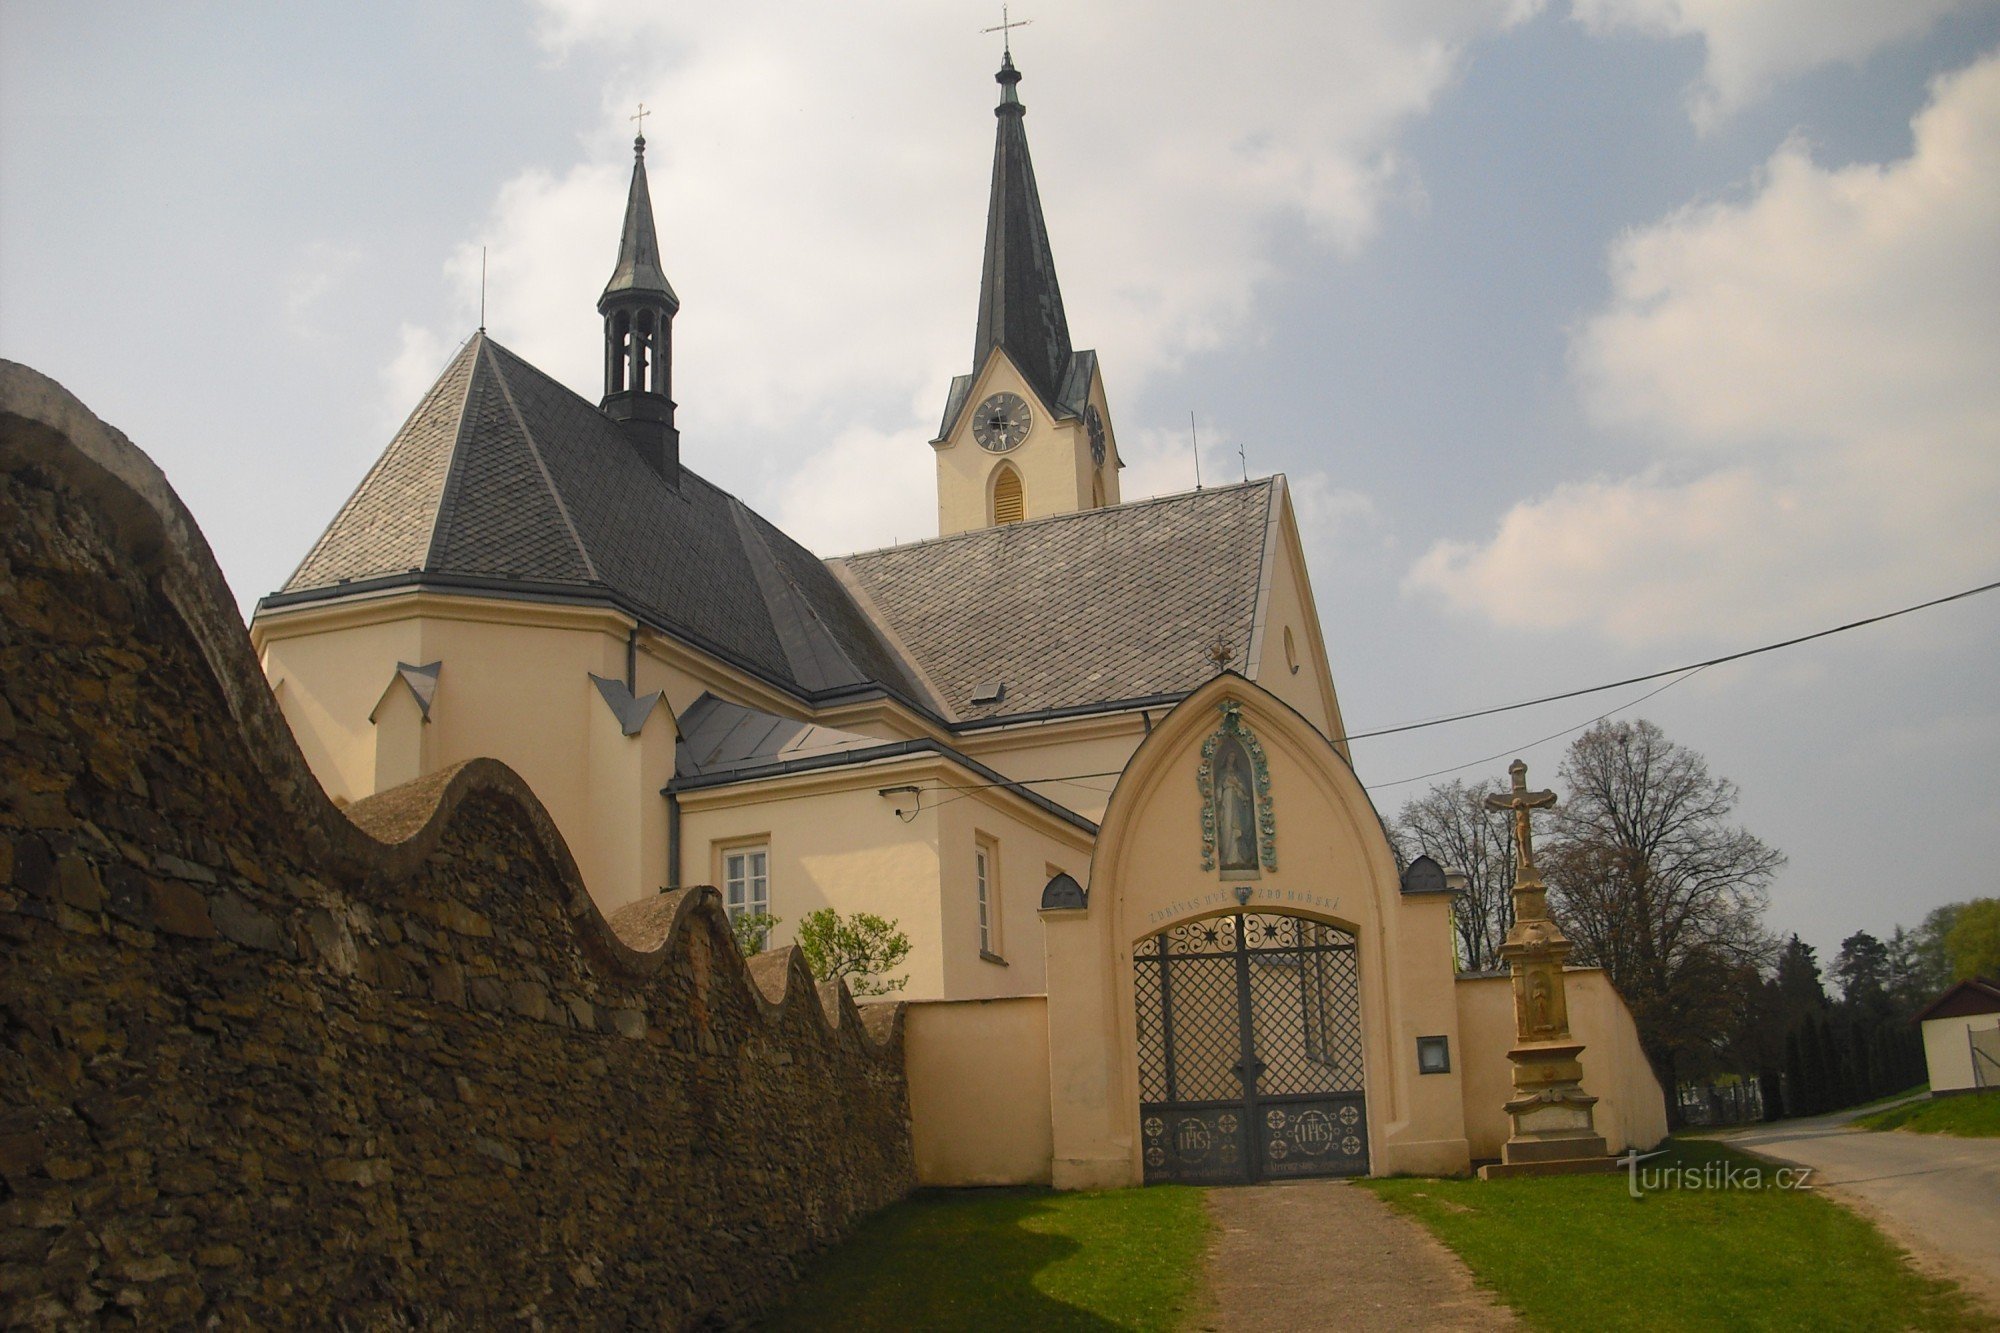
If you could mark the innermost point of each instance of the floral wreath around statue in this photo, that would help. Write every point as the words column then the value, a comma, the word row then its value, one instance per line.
column 1260, row 767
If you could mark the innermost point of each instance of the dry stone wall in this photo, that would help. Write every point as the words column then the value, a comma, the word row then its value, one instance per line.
column 266, row 1065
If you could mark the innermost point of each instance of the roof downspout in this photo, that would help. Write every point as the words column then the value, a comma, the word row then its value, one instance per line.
column 673, row 841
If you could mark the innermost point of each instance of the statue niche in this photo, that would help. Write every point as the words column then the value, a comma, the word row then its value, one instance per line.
column 1235, row 808
column 1238, row 829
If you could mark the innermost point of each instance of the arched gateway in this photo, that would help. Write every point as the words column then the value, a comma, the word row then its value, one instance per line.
column 1249, row 1050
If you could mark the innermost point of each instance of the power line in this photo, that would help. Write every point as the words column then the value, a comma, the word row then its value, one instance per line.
column 1679, row 673
column 1517, row 749
column 1670, row 671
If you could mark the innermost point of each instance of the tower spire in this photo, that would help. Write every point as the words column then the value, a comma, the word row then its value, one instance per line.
column 638, row 306
column 1020, row 302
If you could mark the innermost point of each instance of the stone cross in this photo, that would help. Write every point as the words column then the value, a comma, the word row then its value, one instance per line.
column 1520, row 800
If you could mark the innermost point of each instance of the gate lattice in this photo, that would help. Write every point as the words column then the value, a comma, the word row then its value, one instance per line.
column 1250, row 1050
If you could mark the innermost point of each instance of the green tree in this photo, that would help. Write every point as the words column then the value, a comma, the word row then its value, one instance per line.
column 858, row 949
column 1862, row 969
column 1973, row 942
column 752, row 931
column 1654, row 884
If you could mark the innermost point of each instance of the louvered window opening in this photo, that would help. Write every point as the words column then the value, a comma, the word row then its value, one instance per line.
column 1007, row 503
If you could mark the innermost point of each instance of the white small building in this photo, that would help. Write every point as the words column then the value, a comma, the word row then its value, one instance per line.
column 1962, row 1037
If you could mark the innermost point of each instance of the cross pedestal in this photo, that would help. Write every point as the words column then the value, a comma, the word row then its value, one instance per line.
column 1554, row 1128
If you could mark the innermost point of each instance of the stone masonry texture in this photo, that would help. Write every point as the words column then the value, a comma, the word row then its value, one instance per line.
column 267, row 1064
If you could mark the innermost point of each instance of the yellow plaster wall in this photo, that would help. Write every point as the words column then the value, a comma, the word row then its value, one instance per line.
column 331, row 683
column 1063, row 750
column 1948, row 1054
column 1028, row 859
column 1334, row 864
column 979, row 1090
column 1054, row 460
column 1289, row 605
column 843, row 848
column 508, row 689
column 1631, row 1111
column 837, row 842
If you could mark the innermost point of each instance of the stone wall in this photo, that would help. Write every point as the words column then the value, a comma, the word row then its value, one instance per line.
column 264, row 1064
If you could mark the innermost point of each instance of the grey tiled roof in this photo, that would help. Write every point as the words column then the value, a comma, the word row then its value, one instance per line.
column 1077, row 609
column 386, row 525
column 504, row 476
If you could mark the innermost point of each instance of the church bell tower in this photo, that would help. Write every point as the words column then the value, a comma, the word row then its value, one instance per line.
column 638, row 306
column 1027, row 433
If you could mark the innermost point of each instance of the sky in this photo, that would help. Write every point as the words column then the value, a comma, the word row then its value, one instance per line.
column 1594, row 336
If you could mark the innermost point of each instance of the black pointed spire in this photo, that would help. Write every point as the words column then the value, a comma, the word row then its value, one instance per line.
column 638, row 306
column 1020, row 303
column 639, row 268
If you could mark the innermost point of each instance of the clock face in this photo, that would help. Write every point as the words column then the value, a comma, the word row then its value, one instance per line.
column 1094, row 423
column 1001, row 422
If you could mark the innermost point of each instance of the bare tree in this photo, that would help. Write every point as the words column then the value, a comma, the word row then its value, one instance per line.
column 1655, row 885
column 1451, row 824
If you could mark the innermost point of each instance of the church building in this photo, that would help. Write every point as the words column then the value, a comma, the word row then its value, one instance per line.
column 1085, row 752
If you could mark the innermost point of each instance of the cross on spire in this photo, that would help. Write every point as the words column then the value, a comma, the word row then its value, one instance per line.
column 1003, row 27
column 641, row 118
column 1520, row 800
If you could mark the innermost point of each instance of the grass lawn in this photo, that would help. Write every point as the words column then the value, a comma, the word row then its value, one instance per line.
column 1012, row 1259
column 1579, row 1251
column 1972, row 1115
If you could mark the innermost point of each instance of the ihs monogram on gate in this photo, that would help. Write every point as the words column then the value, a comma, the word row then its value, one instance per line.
column 1239, row 832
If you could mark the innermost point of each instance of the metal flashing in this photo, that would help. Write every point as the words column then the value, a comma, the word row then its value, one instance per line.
column 630, row 711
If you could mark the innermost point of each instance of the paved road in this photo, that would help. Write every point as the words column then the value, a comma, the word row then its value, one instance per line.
column 1938, row 1195
column 1312, row 1255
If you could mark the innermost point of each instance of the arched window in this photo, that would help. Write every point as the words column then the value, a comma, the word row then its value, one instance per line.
column 1007, row 504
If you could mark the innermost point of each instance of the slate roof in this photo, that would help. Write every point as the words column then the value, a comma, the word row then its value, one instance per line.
column 1075, row 610
column 505, row 480
column 724, row 743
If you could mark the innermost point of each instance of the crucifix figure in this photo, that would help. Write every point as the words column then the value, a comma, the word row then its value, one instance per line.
column 1520, row 800
column 1006, row 37
column 641, row 118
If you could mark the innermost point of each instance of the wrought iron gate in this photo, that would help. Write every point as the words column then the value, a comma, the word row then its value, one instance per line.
column 1250, row 1050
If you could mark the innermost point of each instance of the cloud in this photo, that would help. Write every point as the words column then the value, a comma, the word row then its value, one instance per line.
column 1753, row 45
column 321, row 269
column 1815, row 371
column 868, row 488
column 821, row 194
column 421, row 356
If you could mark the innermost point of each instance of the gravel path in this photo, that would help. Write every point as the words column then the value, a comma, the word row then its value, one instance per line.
column 1325, row 1254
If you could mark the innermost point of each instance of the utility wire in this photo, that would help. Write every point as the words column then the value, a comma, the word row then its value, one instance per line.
column 1670, row 671
column 1517, row 749
column 1680, row 673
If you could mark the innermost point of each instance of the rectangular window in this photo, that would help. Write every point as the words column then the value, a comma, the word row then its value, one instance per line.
column 746, row 881
column 983, row 867
column 986, row 890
